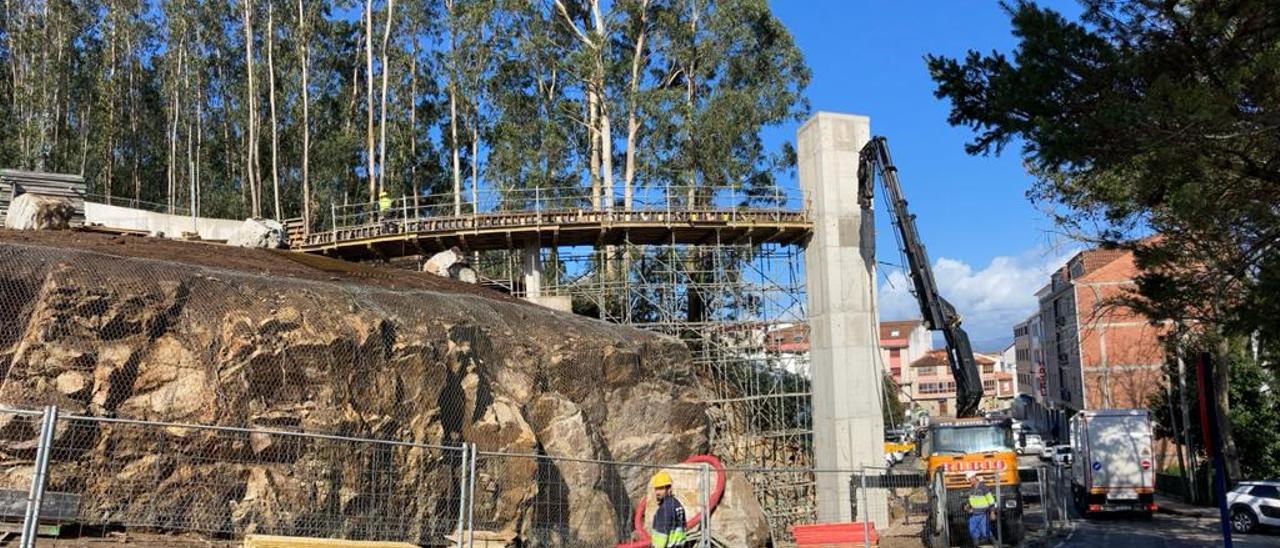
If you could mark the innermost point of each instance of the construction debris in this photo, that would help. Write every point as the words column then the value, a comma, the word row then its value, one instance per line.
column 69, row 188
column 260, row 233
column 35, row 212
column 450, row 263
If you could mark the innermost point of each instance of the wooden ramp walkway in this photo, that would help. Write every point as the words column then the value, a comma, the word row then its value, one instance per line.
column 399, row 235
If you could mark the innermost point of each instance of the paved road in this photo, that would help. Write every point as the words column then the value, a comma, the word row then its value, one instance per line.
column 1163, row 531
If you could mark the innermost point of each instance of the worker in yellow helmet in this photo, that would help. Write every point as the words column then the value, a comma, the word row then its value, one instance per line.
column 668, row 519
column 384, row 205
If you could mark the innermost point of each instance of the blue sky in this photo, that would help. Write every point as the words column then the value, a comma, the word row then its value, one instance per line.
column 992, row 248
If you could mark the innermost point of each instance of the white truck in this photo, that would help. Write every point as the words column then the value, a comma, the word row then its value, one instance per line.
column 1112, row 469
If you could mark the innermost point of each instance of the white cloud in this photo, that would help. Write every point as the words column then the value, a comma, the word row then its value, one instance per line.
column 990, row 300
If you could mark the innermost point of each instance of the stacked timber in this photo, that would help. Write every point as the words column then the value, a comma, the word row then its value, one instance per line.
column 14, row 183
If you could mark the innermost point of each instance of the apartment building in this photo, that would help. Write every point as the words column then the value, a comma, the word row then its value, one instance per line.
column 935, row 387
column 901, row 343
column 1097, row 353
column 1030, row 405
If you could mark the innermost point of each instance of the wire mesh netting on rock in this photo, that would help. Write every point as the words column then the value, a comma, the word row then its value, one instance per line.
column 273, row 347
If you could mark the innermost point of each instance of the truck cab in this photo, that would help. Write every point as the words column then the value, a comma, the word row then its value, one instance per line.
column 951, row 448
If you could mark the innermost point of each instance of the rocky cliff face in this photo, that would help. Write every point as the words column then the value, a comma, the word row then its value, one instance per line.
column 114, row 335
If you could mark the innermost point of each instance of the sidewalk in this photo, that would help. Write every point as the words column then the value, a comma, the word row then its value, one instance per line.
column 1175, row 506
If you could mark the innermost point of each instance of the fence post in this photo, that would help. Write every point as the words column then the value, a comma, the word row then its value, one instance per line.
column 463, row 476
column 999, row 536
column 39, row 476
column 471, row 500
column 333, row 223
column 1066, row 503
column 704, row 501
column 866, row 512
column 1044, row 500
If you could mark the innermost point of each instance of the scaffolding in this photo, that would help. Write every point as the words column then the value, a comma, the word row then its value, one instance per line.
column 740, row 308
column 718, row 267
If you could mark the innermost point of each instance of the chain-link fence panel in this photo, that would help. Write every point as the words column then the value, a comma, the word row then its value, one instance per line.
column 590, row 503
column 20, row 485
column 228, row 482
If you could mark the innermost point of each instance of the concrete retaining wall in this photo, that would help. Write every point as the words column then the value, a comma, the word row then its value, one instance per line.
column 172, row 226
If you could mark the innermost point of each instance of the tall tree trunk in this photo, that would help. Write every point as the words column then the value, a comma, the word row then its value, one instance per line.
column 251, row 108
column 605, row 133
column 110, row 130
column 1222, row 400
column 475, row 159
column 691, row 79
column 271, row 100
column 413, row 118
column 368, row 77
column 633, row 119
column 593, row 125
column 382, row 128
column 453, row 109
column 86, row 115
column 304, row 57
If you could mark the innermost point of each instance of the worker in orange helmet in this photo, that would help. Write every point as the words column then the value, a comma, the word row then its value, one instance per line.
column 668, row 519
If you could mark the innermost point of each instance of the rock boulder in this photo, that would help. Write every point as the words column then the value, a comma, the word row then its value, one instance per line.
column 167, row 341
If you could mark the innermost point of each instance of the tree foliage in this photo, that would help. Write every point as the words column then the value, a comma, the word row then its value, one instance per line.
column 1255, row 409
column 1149, row 118
column 152, row 101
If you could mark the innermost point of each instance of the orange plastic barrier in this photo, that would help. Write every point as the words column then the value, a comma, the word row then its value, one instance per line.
column 850, row 534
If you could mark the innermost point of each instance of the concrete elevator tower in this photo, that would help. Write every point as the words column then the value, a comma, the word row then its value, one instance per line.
column 848, row 430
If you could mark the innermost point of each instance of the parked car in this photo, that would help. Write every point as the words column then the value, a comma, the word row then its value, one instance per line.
column 1032, row 444
column 1061, row 455
column 1253, row 504
column 1046, row 452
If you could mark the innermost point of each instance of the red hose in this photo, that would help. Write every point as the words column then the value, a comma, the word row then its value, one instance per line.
column 637, row 521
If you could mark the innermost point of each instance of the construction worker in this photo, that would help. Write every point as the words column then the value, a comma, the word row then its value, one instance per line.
column 384, row 205
column 668, row 519
column 981, row 507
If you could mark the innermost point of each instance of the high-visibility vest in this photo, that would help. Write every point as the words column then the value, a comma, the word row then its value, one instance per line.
column 981, row 501
column 668, row 524
column 384, row 203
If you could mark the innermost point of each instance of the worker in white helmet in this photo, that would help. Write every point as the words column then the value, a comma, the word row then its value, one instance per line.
column 981, row 508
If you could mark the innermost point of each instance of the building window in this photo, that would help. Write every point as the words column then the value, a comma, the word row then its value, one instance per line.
column 989, row 386
column 937, row 387
column 942, row 407
column 896, row 372
column 895, row 357
column 988, row 368
column 895, row 333
column 927, row 371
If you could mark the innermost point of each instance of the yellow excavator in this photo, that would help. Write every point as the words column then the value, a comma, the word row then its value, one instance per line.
column 950, row 448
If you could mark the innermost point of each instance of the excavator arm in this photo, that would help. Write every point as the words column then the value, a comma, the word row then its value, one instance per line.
column 938, row 314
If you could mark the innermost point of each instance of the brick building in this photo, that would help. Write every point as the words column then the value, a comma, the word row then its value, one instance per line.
column 1097, row 353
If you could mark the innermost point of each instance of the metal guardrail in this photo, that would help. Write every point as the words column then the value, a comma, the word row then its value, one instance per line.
column 523, row 208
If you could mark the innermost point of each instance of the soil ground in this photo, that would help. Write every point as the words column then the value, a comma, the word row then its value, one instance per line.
column 279, row 263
